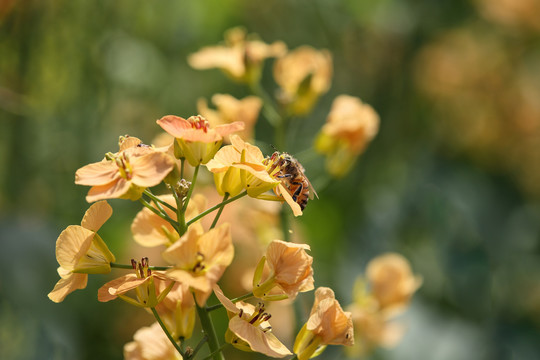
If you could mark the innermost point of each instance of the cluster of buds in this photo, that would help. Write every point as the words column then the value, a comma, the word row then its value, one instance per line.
column 197, row 252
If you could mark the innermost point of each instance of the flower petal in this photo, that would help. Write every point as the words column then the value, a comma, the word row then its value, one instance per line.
column 99, row 173
column 67, row 285
column 96, row 216
column 150, row 169
column 72, row 244
column 113, row 190
column 110, row 290
column 174, row 125
column 258, row 340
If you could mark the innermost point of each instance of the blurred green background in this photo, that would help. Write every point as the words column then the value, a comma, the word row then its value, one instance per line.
column 452, row 180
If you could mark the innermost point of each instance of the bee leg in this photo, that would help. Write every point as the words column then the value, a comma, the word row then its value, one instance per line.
column 284, row 176
column 298, row 191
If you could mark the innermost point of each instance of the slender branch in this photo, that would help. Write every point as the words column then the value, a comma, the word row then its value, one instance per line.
column 158, row 200
column 215, row 352
column 219, row 306
column 210, row 332
column 214, row 208
column 269, row 110
column 159, row 213
column 125, row 266
column 190, row 191
column 198, row 347
column 158, row 318
column 225, row 197
column 285, row 224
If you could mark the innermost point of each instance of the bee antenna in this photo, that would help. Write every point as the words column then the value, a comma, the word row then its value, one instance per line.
column 273, row 147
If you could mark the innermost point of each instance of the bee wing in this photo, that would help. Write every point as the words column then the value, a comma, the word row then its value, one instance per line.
column 312, row 192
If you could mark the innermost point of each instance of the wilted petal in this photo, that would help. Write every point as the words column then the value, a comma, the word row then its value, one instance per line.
column 111, row 290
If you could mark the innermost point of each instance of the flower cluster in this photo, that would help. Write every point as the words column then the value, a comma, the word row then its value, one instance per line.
column 195, row 244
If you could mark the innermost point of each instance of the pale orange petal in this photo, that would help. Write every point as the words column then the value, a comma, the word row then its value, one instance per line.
column 72, row 244
column 104, row 292
column 199, row 135
column 228, row 304
column 67, row 285
column 99, row 173
column 184, row 251
column 258, row 340
column 150, row 169
column 174, row 125
column 96, row 216
column 113, row 190
column 227, row 129
column 297, row 211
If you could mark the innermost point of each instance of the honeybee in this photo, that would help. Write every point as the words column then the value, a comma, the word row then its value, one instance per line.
column 291, row 173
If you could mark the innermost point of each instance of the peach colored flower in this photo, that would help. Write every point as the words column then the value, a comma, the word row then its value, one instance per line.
column 125, row 174
column 328, row 324
column 392, row 281
column 198, row 142
column 177, row 310
column 199, row 259
column 150, row 230
column 303, row 74
column 230, row 109
column 241, row 57
column 290, row 271
column 349, row 127
column 240, row 166
column 249, row 329
column 144, row 281
column 81, row 251
column 150, row 343
column 372, row 328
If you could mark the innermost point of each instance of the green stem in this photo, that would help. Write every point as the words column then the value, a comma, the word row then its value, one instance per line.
column 158, row 318
column 180, row 216
column 285, row 224
column 158, row 200
column 190, row 191
column 159, row 213
column 225, row 197
column 210, row 332
column 270, row 112
column 125, row 266
column 218, row 350
column 214, row 208
column 198, row 347
column 219, row 306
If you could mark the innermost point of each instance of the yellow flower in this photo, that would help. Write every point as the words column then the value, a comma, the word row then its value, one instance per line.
column 200, row 259
column 290, row 271
column 303, row 74
column 198, row 142
column 240, row 58
column 349, row 127
column 144, row 281
column 150, row 343
column 81, row 251
column 328, row 324
column 125, row 174
column 392, row 281
column 249, row 329
column 177, row 310
column 240, row 166
column 151, row 230
column 230, row 109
